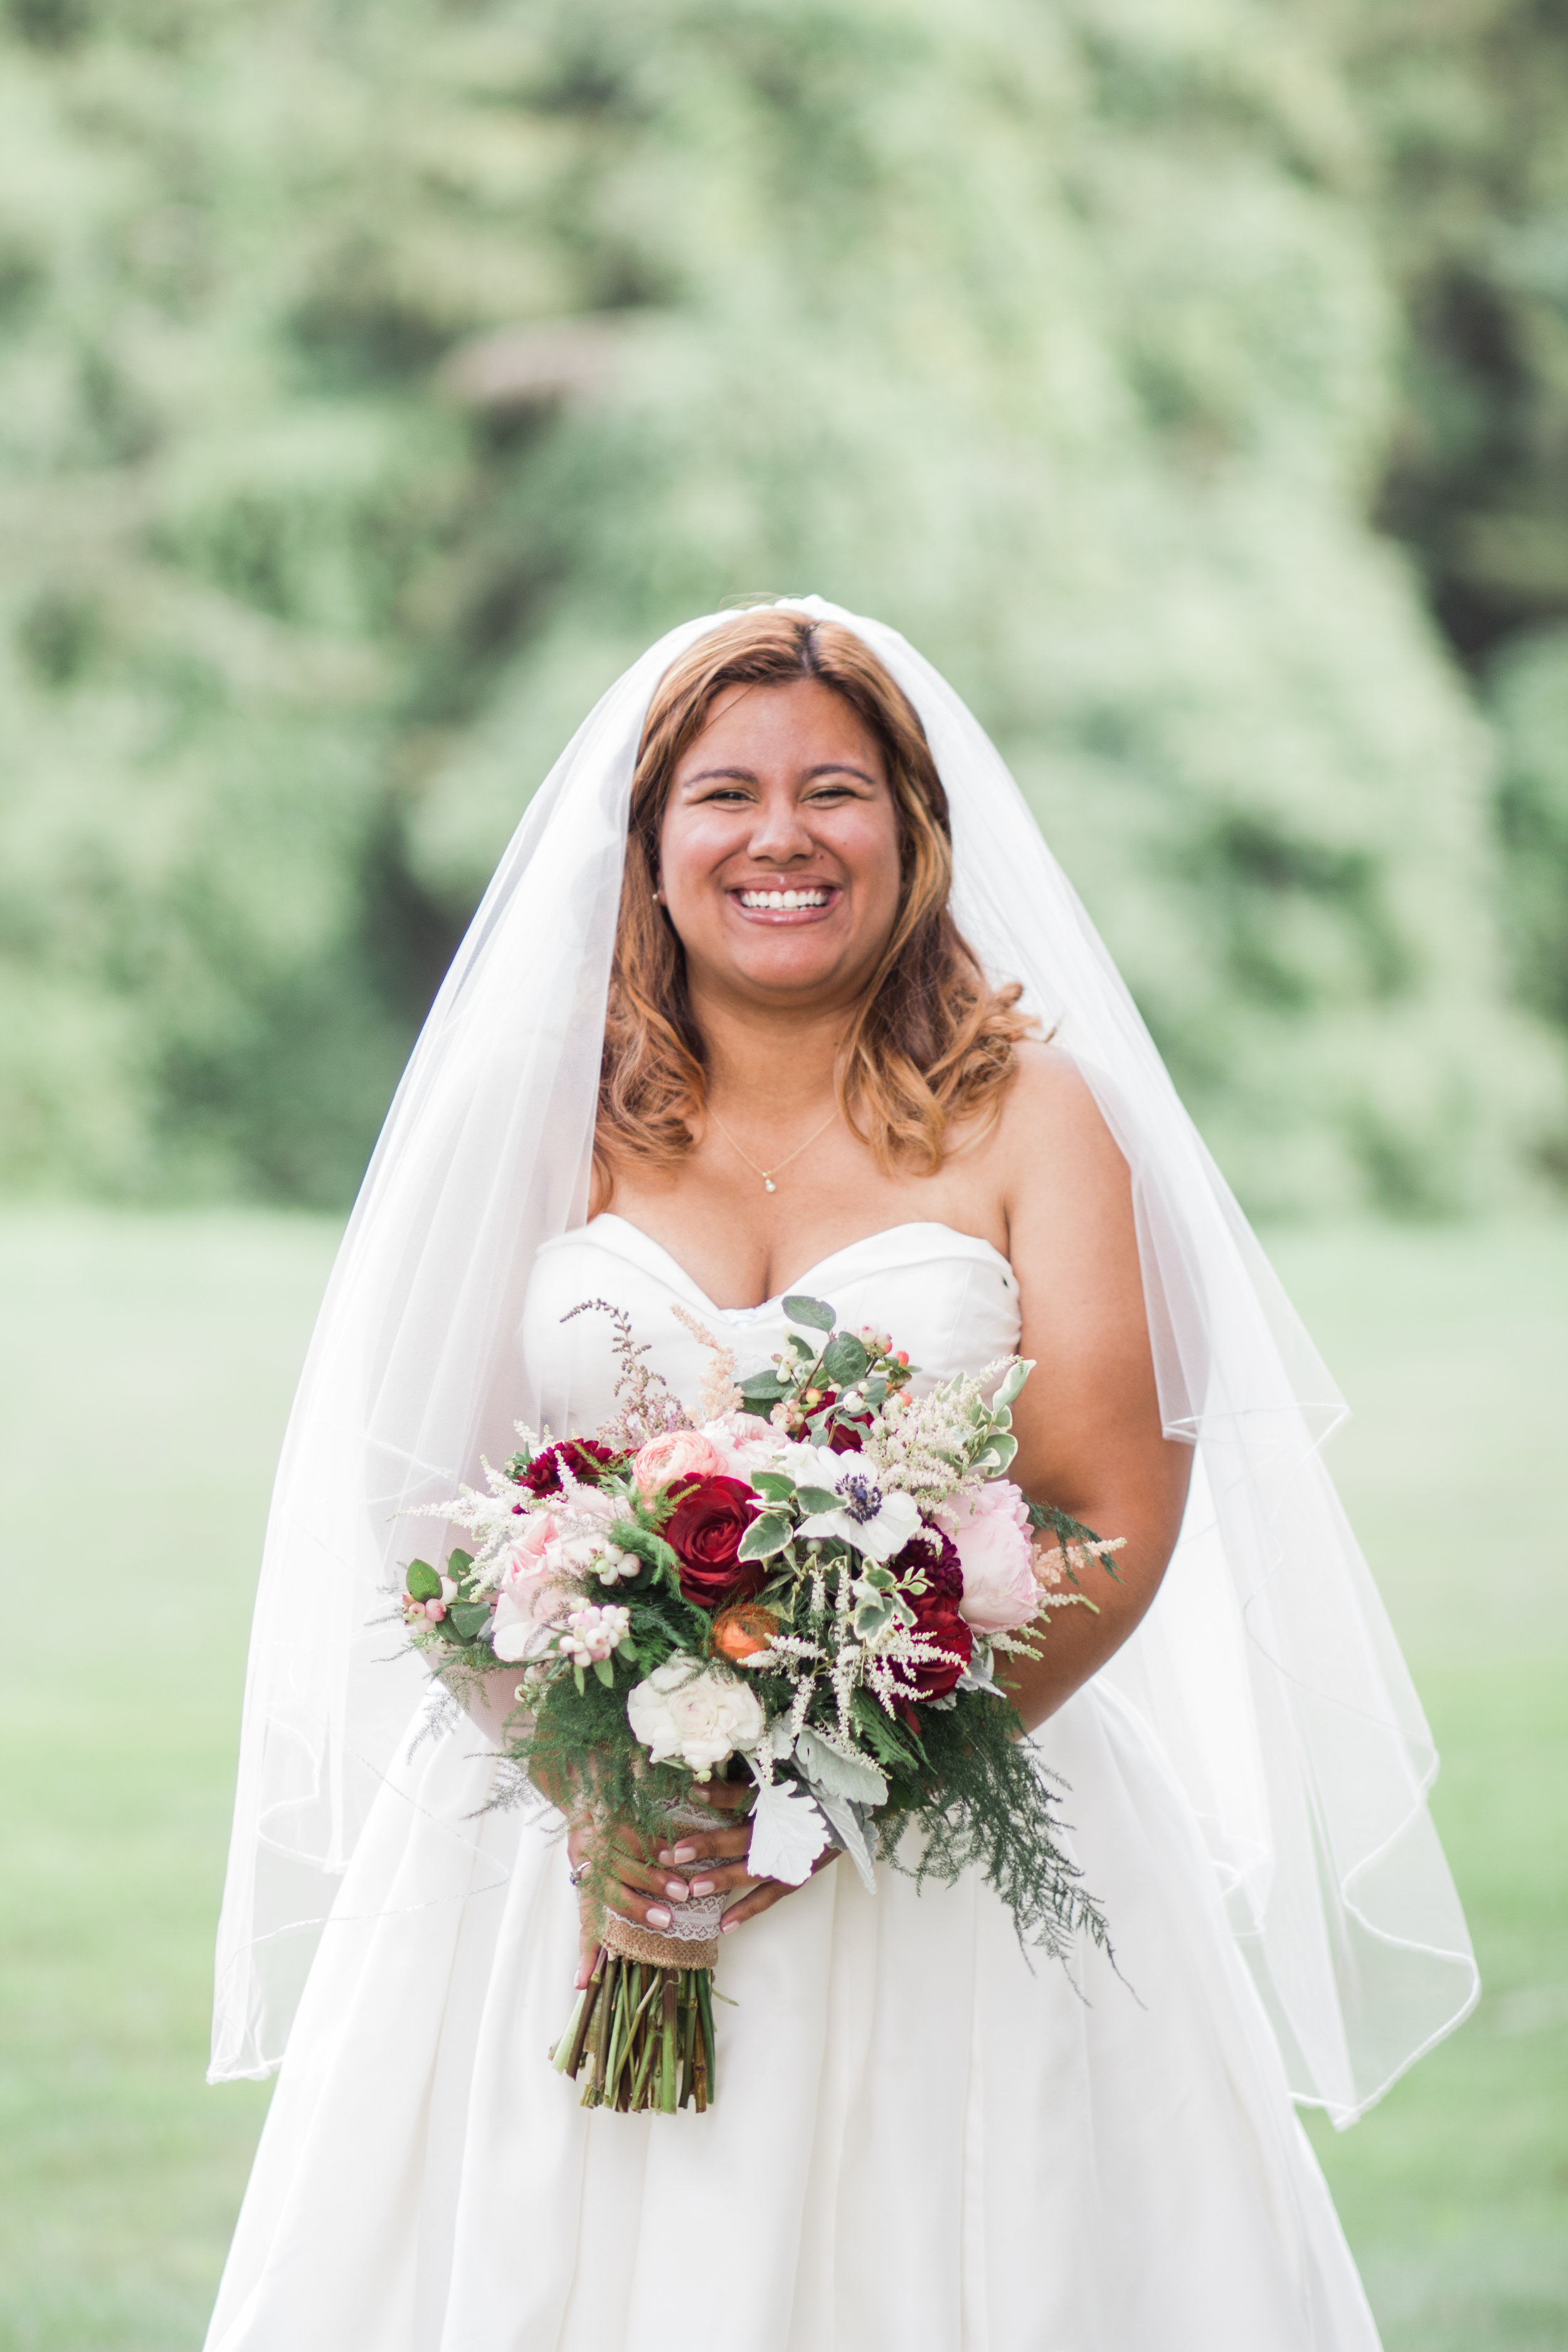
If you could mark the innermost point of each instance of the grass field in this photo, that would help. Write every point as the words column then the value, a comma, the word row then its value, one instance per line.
column 146, row 1373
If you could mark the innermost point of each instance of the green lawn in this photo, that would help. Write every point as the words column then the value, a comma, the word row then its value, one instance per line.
column 146, row 1373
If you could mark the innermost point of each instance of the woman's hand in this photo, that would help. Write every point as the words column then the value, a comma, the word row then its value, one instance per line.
column 649, row 1875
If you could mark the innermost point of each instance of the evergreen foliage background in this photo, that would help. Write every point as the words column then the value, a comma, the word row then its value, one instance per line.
column 1189, row 378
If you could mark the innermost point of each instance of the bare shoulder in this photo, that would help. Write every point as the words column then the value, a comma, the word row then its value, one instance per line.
column 1051, row 1121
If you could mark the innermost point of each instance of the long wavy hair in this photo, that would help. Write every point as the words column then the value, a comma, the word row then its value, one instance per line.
column 930, row 1044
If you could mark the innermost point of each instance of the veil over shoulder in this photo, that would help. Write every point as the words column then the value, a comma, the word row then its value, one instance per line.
column 1266, row 1670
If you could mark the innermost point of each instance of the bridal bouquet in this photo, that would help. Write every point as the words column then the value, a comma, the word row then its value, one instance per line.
column 807, row 1585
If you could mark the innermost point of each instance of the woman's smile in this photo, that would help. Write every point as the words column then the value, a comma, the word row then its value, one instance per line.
column 784, row 904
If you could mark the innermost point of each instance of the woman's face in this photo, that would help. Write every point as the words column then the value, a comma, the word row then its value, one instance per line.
column 779, row 850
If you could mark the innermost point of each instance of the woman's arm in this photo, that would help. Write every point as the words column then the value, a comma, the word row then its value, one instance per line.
column 1088, row 1421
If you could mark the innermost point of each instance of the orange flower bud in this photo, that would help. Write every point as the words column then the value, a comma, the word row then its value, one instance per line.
column 743, row 1631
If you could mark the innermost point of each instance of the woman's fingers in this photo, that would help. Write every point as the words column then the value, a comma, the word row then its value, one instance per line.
column 766, row 1892
column 588, row 1947
column 719, row 1877
column 706, row 1845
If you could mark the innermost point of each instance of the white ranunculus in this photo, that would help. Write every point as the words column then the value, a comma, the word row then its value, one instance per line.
column 687, row 1710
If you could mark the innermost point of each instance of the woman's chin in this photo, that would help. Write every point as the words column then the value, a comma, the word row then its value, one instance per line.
column 791, row 973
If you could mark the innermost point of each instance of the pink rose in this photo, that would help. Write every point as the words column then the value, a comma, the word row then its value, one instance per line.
column 678, row 1453
column 991, row 1531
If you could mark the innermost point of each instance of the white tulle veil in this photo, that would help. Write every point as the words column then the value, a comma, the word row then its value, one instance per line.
column 1266, row 1670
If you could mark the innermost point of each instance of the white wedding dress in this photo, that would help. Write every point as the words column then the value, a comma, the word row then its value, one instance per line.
column 922, row 2142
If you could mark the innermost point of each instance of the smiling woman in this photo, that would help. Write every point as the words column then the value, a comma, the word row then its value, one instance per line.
column 805, row 1076
column 790, row 863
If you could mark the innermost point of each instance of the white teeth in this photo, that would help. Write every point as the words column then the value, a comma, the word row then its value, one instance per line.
column 783, row 901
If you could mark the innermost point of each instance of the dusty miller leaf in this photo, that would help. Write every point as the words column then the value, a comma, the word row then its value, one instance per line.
column 852, row 1836
column 841, row 1776
column 788, row 1833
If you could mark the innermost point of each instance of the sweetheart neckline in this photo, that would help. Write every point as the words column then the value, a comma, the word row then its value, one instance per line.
column 907, row 1225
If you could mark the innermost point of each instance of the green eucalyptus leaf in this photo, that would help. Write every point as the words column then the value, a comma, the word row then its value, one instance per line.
column 845, row 1360
column 813, row 1312
column 422, row 1582
column 763, row 1385
column 606, row 1672
column 459, row 1564
column 469, row 1618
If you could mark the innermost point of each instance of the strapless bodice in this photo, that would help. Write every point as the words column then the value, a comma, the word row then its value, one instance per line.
column 950, row 1300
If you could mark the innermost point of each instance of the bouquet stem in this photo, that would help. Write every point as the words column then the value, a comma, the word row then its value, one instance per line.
column 640, row 2037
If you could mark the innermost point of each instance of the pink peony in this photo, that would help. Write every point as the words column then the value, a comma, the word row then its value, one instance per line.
column 744, row 1442
column 678, row 1453
column 991, row 1531
column 529, row 1601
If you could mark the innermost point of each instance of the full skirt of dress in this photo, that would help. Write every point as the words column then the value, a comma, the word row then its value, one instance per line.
column 924, row 2140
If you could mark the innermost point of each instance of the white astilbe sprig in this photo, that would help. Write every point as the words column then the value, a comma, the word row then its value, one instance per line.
column 494, row 1517
column 489, row 1517
column 923, row 1444
column 719, row 1393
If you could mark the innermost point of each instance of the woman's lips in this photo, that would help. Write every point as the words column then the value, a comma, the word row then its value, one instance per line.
column 792, row 903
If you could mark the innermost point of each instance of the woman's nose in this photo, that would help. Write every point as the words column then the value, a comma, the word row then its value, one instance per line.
column 780, row 832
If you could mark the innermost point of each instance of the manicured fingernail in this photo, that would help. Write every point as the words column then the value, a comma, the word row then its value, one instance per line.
column 702, row 1886
column 665, row 1855
column 675, row 1890
column 725, row 1925
column 684, row 1854
column 658, row 1916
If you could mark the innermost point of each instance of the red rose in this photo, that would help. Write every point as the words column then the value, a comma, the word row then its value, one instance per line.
column 704, row 1532
column 936, row 1613
column 583, row 1456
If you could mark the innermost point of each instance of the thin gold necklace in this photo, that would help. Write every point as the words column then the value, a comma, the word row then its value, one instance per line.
column 767, row 1174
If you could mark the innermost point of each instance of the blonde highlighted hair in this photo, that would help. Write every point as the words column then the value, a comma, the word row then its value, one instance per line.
column 931, row 1042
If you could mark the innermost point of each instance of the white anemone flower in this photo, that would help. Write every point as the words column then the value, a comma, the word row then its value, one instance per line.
column 876, row 1522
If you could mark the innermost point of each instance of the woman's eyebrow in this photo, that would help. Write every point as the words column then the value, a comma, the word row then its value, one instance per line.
column 747, row 775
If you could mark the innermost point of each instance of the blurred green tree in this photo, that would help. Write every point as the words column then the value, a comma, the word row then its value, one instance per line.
column 1466, row 112
column 377, row 381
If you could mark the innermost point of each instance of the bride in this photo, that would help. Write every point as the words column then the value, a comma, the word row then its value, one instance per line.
column 777, row 990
